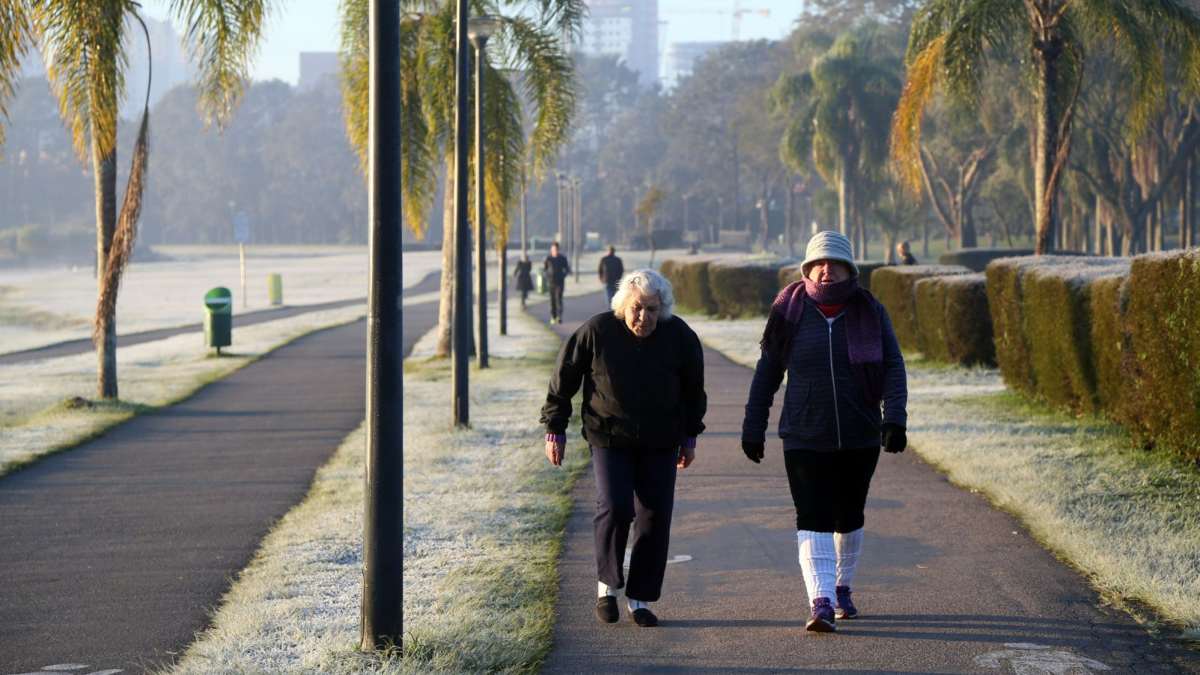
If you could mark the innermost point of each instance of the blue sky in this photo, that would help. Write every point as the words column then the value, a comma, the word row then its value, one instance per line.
column 311, row 25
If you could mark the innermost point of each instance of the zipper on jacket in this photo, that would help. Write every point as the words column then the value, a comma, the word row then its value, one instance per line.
column 837, row 419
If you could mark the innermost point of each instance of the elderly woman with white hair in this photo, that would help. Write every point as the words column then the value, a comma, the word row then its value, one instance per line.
column 642, row 373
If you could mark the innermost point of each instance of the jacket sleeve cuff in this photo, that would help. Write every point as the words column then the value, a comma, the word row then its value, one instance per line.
column 690, row 442
column 556, row 438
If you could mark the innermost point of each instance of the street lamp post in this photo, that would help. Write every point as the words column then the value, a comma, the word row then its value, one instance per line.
column 561, row 184
column 382, row 620
column 462, row 230
column 577, row 203
column 479, row 30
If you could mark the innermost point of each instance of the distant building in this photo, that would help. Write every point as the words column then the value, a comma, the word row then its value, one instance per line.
column 682, row 57
column 316, row 66
column 627, row 29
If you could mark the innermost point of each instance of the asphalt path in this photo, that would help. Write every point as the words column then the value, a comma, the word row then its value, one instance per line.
column 114, row 554
column 427, row 285
column 946, row 584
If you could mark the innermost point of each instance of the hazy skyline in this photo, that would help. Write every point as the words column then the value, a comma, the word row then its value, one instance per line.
column 312, row 25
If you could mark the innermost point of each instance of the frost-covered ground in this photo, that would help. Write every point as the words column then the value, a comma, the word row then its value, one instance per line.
column 1128, row 518
column 37, row 417
column 483, row 519
column 46, row 305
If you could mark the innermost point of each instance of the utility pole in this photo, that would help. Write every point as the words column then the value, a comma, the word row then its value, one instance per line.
column 382, row 620
column 578, row 212
column 480, row 30
column 462, row 229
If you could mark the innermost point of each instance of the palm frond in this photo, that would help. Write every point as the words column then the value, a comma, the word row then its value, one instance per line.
column 125, row 234
column 15, row 40
column 1117, row 25
column 549, row 78
column 224, row 37
column 919, row 87
column 505, row 137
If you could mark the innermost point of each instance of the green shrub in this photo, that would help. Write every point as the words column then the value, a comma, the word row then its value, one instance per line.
column 953, row 320
column 1110, row 342
column 1058, row 318
column 893, row 285
column 743, row 288
column 689, row 281
column 790, row 273
column 1163, row 316
column 977, row 259
column 1008, row 323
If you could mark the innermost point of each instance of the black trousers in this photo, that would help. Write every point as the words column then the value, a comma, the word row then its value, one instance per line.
column 638, row 487
column 829, row 489
column 556, row 301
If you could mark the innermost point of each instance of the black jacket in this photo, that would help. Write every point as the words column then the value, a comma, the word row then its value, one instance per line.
column 637, row 392
column 557, row 268
column 611, row 269
column 522, row 275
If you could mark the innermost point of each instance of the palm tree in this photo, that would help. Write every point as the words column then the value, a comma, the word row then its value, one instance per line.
column 843, row 100
column 952, row 42
column 82, row 43
column 531, row 48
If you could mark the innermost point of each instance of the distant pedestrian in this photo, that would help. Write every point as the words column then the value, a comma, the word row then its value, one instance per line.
column 642, row 373
column 836, row 345
column 556, row 268
column 611, row 270
column 523, row 276
column 904, row 255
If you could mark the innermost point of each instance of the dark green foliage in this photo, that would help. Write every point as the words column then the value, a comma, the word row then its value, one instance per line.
column 953, row 319
column 789, row 274
column 977, row 259
column 1057, row 314
column 1163, row 316
column 742, row 288
column 1008, row 325
column 689, row 281
column 893, row 286
column 1110, row 342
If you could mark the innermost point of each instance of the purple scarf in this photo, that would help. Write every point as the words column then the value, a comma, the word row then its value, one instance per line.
column 864, row 333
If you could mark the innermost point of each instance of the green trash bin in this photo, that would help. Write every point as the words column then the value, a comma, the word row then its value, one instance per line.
column 218, row 318
column 539, row 282
column 275, row 289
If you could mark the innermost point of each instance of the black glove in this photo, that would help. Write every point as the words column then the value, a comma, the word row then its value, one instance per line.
column 753, row 450
column 894, row 439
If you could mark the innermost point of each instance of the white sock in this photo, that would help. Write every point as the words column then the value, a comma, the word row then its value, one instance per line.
column 637, row 604
column 602, row 590
column 818, row 563
column 848, row 546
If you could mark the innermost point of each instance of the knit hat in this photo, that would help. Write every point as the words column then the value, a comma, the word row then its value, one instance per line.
column 829, row 245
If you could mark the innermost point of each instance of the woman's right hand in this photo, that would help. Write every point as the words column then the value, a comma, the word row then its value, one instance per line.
column 754, row 451
column 555, row 452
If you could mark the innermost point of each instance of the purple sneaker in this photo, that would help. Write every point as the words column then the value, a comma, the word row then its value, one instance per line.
column 822, row 620
column 845, row 607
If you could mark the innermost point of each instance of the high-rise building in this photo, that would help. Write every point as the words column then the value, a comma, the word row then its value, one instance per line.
column 627, row 29
column 682, row 58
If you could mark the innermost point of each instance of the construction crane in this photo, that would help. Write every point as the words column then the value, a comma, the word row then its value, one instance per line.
column 735, row 14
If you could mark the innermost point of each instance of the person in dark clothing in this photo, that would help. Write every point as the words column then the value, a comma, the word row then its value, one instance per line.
column 836, row 345
column 642, row 373
column 523, row 276
column 556, row 268
column 611, row 270
column 904, row 254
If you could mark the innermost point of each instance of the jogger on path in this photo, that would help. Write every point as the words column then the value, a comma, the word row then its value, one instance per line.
column 836, row 344
column 642, row 373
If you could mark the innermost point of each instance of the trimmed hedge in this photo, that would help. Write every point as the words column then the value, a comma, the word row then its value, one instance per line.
column 977, row 259
column 790, row 273
column 741, row 288
column 689, row 281
column 1058, row 320
column 893, row 286
column 1163, row 316
column 953, row 319
column 1110, row 342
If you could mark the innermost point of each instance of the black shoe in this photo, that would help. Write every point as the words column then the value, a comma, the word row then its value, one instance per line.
column 644, row 618
column 606, row 609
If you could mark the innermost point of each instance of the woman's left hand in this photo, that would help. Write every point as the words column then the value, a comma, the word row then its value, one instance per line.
column 686, row 457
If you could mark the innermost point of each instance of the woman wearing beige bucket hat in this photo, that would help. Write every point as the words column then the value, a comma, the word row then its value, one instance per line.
column 846, row 396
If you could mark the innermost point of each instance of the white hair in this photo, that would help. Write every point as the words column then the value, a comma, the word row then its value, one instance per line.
column 648, row 282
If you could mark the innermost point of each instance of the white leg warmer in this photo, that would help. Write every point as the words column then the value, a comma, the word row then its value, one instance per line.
column 818, row 563
column 849, row 546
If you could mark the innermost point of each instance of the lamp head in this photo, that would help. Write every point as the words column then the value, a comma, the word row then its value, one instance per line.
column 481, row 28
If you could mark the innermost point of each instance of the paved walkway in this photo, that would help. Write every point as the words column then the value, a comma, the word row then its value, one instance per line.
column 947, row 583
column 114, row 554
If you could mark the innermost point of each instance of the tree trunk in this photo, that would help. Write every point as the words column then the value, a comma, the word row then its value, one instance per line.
column 843, row 187
column 1048, row 119
column 104, row 175
column 1186, row 204
column 446, row 296
column 502, row 293
column 789, row 234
